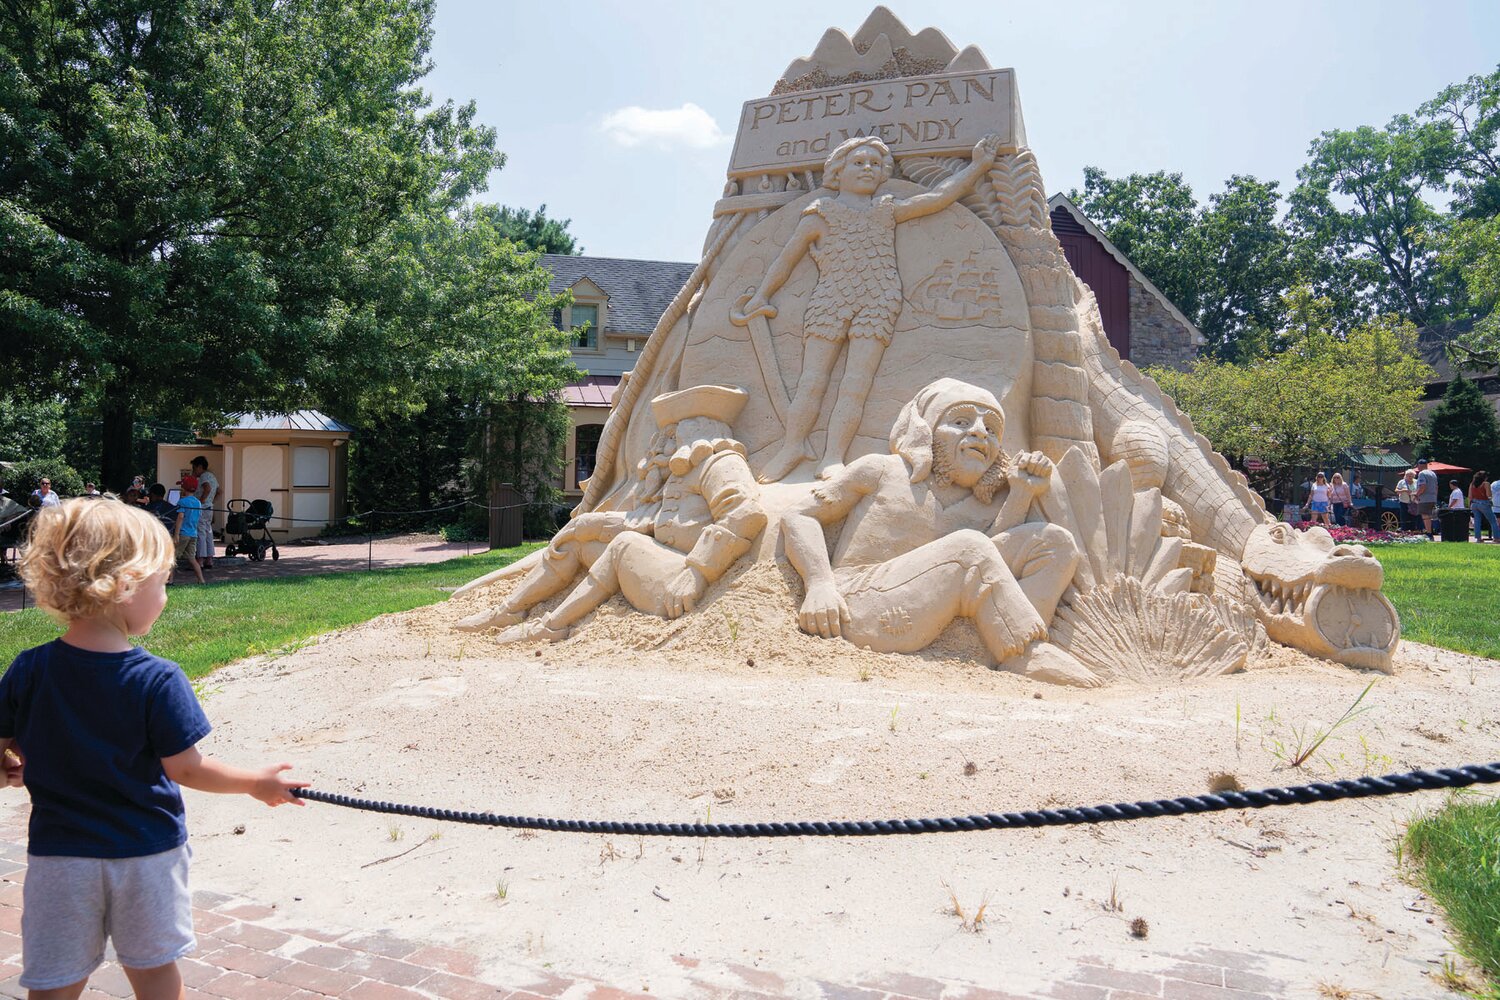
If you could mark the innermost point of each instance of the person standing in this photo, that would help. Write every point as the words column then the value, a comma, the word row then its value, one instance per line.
column 1455, row 495
column 1339, row 496
column 1481, row 502
column 1406, row 496
column 43, row 496
column 185, row 530
column 1317, row 500
column 208, row 490
column 1426, row 496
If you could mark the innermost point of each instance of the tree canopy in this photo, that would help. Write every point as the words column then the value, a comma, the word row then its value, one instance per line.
column 202, row 203
column 1461, row 429
column 1224, row 264
column 1321, row 395
column 533, row 230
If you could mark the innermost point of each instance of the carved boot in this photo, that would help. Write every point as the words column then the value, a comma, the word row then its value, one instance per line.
column 1042, row 661
column 496, row 617
column 536, row 628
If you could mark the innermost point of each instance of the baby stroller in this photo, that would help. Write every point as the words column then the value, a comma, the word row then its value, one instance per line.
column 246, row 531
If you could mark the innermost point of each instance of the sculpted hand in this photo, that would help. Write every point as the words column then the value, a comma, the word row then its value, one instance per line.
column 1032, row 472
column 824, row 612
column 684, row 591
column 749, row 308
column 985, row 151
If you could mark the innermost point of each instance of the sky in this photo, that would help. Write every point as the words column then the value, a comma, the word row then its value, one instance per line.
column 620, row 115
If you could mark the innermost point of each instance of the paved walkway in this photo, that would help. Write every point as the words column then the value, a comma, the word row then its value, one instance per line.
column 244, row 954
column 299, row 558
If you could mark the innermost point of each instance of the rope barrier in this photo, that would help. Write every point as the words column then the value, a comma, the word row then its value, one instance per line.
column 1319, row 791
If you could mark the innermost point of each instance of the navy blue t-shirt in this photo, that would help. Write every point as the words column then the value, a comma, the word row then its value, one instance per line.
column 93, row 728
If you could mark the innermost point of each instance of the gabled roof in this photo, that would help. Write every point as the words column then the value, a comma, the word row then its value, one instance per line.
column 639, row 290
column 297, row 420
column 1061, row 200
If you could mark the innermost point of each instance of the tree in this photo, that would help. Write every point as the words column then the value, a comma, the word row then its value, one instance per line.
column 1471, row 113
column 1364, row 229
column 1224, row 264
column 1320, row 396
column 461, row 355
column 1461, row 430
column 533, row 231
column 1151, row 218
column 190, row 195
column 31, row 428
column 1472, row 247
column 1244, row 266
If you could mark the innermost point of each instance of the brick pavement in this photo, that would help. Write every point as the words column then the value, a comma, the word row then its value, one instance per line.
column 241, row 956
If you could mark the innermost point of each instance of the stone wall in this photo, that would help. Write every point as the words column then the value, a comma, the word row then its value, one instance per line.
column 1156, row 336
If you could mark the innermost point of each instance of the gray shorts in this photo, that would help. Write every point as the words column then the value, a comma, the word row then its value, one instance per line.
column 71, row 905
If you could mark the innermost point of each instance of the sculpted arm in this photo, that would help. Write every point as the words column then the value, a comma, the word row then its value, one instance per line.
column 1029, row 478
column 954, row 187
column 823, row 610
column 808, row 231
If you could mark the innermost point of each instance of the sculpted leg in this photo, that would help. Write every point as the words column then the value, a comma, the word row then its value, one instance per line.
column 854, row 388
column 633, row 564
column 1043, row 558
column 818, row 357
column 902, row 605
column 559, row 567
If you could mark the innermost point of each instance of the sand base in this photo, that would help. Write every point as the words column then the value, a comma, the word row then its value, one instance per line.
column 759, row 722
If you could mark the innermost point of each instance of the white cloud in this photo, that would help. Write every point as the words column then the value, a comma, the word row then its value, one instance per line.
column 688, row 126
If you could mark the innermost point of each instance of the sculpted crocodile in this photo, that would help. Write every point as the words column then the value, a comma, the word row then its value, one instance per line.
column 1309, row 593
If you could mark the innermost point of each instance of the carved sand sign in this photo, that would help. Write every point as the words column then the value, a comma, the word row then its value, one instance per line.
column 885, row 375
column 930, row 115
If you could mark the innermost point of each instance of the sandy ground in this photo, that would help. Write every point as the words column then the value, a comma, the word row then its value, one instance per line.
column 624, row 721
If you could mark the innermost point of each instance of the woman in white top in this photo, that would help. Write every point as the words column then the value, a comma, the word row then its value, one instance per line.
column 1456, row 498
column 208, row 490
column 1317, row 501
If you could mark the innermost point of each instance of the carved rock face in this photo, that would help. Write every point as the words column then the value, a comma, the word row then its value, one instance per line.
column 1321, row 597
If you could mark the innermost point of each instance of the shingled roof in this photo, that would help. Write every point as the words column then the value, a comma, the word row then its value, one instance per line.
column 639, row 290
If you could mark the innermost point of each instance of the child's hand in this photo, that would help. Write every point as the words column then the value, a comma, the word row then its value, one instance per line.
column 14, row 769
column 274, row 790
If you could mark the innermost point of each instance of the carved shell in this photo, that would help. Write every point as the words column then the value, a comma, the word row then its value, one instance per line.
column 1125, row 632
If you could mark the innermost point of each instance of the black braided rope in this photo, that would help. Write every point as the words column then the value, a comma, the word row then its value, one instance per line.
column 1318, row 791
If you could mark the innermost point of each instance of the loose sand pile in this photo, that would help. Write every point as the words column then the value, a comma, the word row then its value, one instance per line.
column 733, row 715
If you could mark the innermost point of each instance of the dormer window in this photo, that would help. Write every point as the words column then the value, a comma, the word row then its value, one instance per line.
column 583, row 323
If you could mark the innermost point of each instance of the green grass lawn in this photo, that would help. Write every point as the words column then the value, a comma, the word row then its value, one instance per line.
column 1445, row 594
column 208, row 626
column 1455, row 858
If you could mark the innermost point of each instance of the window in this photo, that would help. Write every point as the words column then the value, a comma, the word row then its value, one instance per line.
column 309, row 467
column 585, row 448
column 585, row 326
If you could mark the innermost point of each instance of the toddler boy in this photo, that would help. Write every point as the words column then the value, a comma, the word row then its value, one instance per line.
column 102, row 733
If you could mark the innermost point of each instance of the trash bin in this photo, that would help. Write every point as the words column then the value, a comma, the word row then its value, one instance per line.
column 1455, row 524
column 507, row 509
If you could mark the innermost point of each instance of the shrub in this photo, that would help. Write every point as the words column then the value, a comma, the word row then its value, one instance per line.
column 22, row 477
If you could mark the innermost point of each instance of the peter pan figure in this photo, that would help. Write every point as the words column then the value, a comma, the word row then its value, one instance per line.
column 851, row 236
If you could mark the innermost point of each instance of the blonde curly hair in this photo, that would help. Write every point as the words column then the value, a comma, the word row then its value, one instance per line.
column 87, row 555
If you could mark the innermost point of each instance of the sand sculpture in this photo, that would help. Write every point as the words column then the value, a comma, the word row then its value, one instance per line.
column 884, row 227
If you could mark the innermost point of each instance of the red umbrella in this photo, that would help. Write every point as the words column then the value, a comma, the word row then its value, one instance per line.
column 1442, row 467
